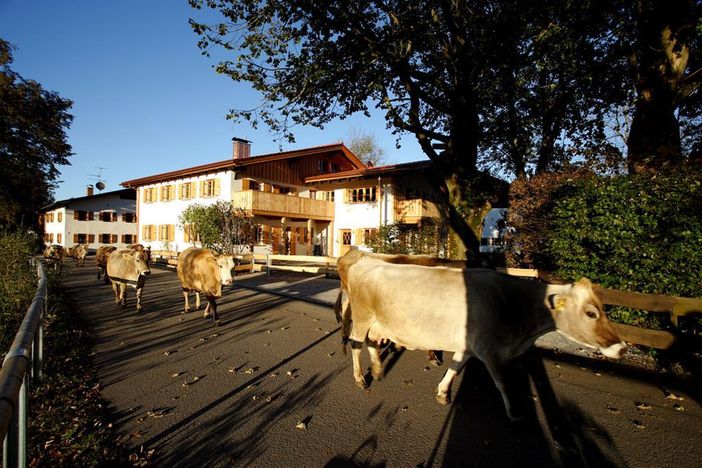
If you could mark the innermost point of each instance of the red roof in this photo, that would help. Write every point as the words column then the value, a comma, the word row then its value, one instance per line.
column 232, row 164
column 369, row 172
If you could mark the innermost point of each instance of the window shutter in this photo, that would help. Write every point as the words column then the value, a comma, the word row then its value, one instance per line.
column 171, row 232
column 358, row 234
column 216, row 187
column 145, row 232
column 91, row 238
column 75, row 238
column 114, row 238
column 91, row 216
column 114, row 216
column 75, row 215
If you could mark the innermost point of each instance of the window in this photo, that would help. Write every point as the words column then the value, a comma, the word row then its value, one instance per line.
column 368, row 234
column 187, row 191
column 209, row 188
column 288, row 190
column 83, row 238
column 108, row 216
column 189, row 233
column 108, row 238
column 148, row 232
column 59, row 238
column 128, row 239
column 83, row 215
column 166, row 232
column 313, row 194
column 150, row 195
column 49, row 217
column 129, row 217
column 168, row 192
column 361, row 195
column 328, row 196
column 49, row 237
column 60, row 217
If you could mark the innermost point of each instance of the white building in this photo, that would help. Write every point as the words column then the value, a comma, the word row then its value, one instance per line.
column 96, row 219
column 320, row 200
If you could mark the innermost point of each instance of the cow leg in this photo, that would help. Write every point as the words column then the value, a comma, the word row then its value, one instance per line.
column 211, row 307
column 186, row 296
column 376, row 363
column 138, row 298
column 197, row 300
column 356, row 348
column 497, row 370
column 123, row 294
column 433, row 358
column 443, row 394
column 115, row 289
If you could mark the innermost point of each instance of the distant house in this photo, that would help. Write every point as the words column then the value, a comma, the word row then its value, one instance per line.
column 96, row 219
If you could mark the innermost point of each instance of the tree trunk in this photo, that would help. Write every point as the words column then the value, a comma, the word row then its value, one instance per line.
column 661, row 60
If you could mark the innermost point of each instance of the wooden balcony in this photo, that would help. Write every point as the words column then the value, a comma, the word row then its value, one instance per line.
column 272, row 204
column 413, row 210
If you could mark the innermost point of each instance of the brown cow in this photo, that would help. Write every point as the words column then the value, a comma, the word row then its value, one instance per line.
column 341, row 307
column 101, row 256
column 80, row 251
column 201, row 271
column 54, row 255
column 140, row 247
column 490, row 315
column 126, row 267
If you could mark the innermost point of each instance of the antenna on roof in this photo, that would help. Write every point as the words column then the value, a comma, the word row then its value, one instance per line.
column 100, row 184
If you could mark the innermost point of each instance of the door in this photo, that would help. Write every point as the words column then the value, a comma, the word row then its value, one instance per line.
column 345, row 235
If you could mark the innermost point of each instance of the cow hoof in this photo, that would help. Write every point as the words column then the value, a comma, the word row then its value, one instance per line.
column 443, row 400
column 378, row 375
column 436, row 362
column 206, row 315
column 362, row 384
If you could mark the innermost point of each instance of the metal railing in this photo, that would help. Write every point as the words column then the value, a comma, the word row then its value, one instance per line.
column 25, row 358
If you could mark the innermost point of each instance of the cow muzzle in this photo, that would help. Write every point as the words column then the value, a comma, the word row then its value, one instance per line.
column 615, row 351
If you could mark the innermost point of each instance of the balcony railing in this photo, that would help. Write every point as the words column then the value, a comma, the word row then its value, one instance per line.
column 273, row 204
column 411, row 211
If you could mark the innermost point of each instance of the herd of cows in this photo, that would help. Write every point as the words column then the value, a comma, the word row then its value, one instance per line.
column 415, row 302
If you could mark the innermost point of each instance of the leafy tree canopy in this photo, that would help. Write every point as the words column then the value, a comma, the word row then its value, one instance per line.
column 366, row 147
column 33, row 143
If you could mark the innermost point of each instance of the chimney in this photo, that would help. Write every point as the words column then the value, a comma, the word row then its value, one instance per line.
column 89, row 190
column 242, row 148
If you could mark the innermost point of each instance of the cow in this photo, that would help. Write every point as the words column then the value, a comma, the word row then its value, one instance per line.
column 141, row 248
column 483, row 313
column 341, row 307
column 201, row 271
column 80, row 251
column 126, row 267
column 54, row 255
column 101, row 256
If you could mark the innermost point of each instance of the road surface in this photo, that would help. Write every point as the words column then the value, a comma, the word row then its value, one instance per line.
column 271, row 387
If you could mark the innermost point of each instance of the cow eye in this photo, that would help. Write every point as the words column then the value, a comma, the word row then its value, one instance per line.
column 591, row 314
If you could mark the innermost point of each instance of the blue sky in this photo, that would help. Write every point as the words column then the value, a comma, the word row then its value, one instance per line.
column 145, row 100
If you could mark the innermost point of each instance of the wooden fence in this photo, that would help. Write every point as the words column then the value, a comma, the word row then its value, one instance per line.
column 653, row 303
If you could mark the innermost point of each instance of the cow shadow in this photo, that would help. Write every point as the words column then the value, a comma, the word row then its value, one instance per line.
column 478, row 432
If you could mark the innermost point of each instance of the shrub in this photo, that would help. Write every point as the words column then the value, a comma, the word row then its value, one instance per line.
column 641, row 233
column 18, row 281
column 429, row 238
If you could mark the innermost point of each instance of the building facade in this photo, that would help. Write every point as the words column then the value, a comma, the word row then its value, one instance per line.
column 314, row 201
column 96, row 219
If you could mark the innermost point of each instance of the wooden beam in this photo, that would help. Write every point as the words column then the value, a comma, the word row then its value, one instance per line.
column 652, row 338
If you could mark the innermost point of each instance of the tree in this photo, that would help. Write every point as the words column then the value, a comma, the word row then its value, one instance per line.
column 366, row 147
column 667, row 44
column 221, row 227
column 33, row 143
column 417, row 61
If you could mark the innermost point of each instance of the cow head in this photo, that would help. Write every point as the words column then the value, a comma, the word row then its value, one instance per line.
column 225, row 263
column 138, row 259
column 579, row 315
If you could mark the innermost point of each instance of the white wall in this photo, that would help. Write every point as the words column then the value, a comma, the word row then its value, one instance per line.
column 167, row 212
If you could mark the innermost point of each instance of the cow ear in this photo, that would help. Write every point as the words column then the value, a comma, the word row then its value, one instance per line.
column 584, row 283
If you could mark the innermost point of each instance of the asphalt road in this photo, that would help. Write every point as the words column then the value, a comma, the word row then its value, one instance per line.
column 271, row 387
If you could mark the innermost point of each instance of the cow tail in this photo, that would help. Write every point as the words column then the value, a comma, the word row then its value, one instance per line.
column 337, row 306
